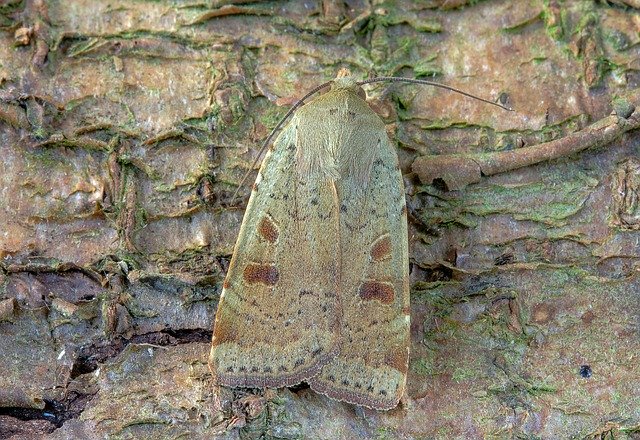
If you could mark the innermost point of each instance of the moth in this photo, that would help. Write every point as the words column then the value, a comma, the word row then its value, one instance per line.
column 317, row 289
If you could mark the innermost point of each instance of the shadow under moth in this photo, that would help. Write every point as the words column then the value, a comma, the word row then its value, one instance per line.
column 318, row 285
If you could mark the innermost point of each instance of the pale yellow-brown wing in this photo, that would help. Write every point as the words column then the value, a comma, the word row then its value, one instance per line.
column 279, row 314
column 371, row 368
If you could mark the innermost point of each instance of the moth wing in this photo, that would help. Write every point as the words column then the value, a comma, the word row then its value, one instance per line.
column 371, row 368
column 278, row 318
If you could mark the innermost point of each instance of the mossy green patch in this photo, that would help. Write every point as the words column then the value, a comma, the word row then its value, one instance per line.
column 552, row 199
column 141, row 218
column 423, row 366
column 386, row 433
column 269, row 115
column 557, row 22
column 427, row 67
column 7, row 13
column 617, row 39
column 461, row 374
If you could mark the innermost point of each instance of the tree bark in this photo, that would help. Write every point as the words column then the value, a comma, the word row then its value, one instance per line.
column 125, row 127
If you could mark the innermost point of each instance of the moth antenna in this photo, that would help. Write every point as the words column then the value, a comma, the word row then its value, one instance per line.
column 267, row 141
column 430, row 83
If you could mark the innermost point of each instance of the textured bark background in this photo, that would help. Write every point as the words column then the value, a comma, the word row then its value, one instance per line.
column 125, row 126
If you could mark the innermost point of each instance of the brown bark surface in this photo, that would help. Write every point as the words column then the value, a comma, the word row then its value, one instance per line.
column 126, row 126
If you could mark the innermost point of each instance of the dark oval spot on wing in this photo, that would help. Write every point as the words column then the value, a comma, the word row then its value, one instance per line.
column 261, row 273
column 381, row 248
column 268, row 230
column 383, row 292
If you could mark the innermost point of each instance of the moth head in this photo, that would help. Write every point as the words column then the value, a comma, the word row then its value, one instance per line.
column 345, row 81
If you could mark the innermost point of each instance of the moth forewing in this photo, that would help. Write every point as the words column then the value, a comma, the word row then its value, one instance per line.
column 371, row 368
column 279, row 315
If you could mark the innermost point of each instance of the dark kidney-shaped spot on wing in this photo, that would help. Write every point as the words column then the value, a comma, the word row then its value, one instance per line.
column 261, row 273
column 383, row 292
